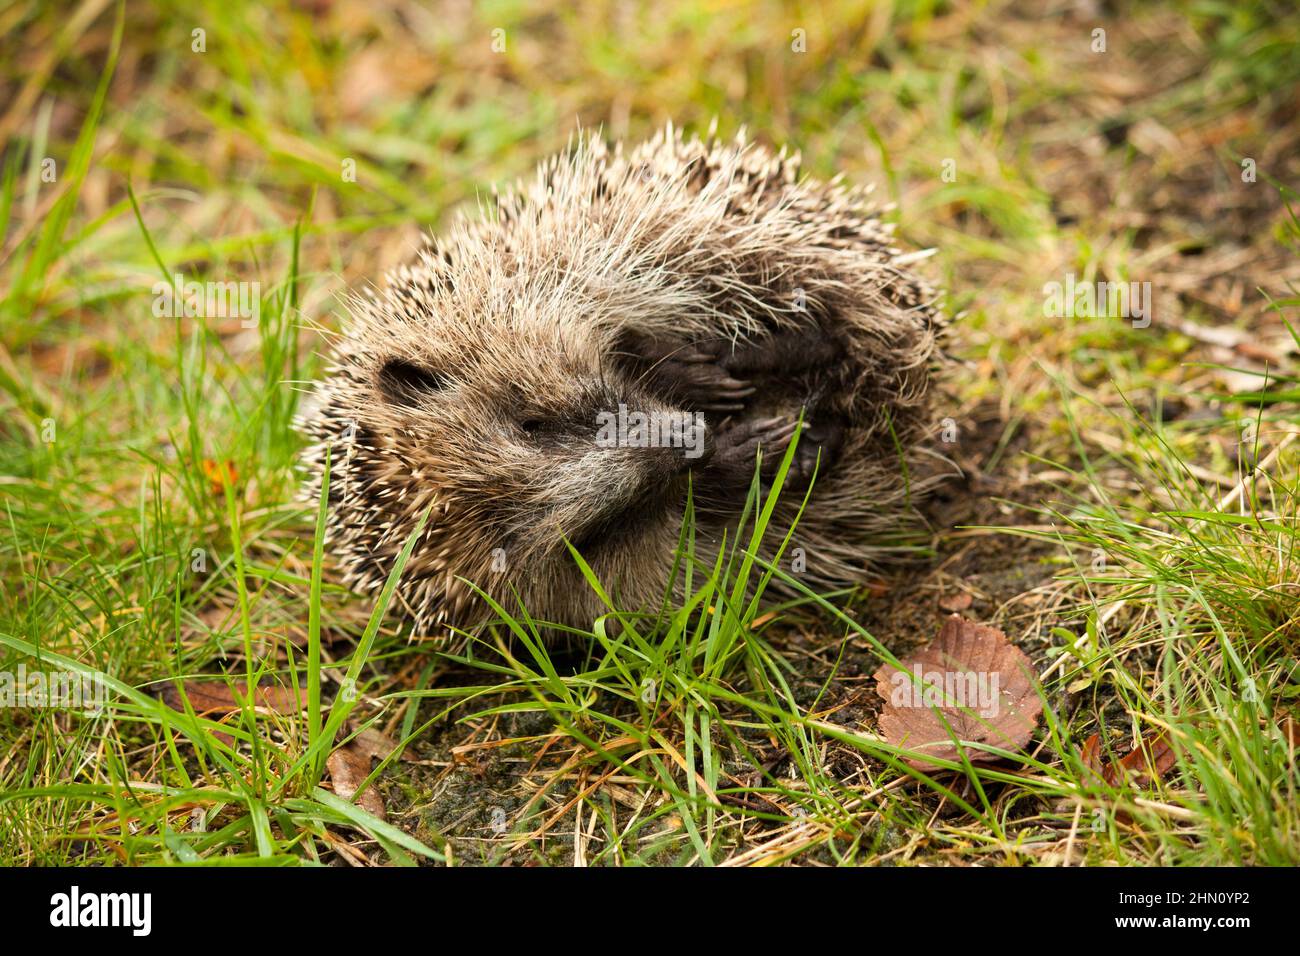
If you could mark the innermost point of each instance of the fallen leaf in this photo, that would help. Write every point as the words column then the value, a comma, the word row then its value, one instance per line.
column 380, row 74
column 349, row 767
column 1091, row 757
column 1149, row 761
column 957, row 601
column 374, row 743
column 216, row 617
column 219, row 474
column 970, row 679
column 876, row 589
column 217, row 697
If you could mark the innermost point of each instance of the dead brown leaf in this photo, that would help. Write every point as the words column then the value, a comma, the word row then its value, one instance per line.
column 1149, row 761
column 214, row 697
column 217, row 699
column 349, row 766
column 970, row 679
column 219, row 474
column 957, row 601
column 373, row 743
column 1091, row 757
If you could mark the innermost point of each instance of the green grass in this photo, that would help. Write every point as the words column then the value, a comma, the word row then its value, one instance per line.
column 1132, row 525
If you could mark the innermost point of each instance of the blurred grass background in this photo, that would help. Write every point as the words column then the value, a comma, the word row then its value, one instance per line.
column 218, row 140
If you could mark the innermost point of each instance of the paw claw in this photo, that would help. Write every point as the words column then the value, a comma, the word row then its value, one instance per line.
column 689, row 373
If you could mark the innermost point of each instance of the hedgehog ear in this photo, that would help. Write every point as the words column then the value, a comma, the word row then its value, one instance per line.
column 405, row 383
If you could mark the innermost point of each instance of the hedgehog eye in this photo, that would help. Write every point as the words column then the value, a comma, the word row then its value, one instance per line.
column 405, row 383
column 539, row 429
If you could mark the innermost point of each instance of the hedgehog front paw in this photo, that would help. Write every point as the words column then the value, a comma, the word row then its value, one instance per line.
column 738, row 446
column 781, row 353
column 687, row 374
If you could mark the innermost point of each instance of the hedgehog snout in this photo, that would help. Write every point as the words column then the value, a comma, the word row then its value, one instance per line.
column 669, row 462
column 616, row 491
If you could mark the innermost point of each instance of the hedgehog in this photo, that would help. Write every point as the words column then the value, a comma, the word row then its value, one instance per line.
column 631, row 342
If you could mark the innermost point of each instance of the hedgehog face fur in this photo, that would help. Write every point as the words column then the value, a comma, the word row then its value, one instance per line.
column 687, row 280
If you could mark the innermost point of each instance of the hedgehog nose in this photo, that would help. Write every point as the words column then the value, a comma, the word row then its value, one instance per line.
column 690, row 446
column 678, row 461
